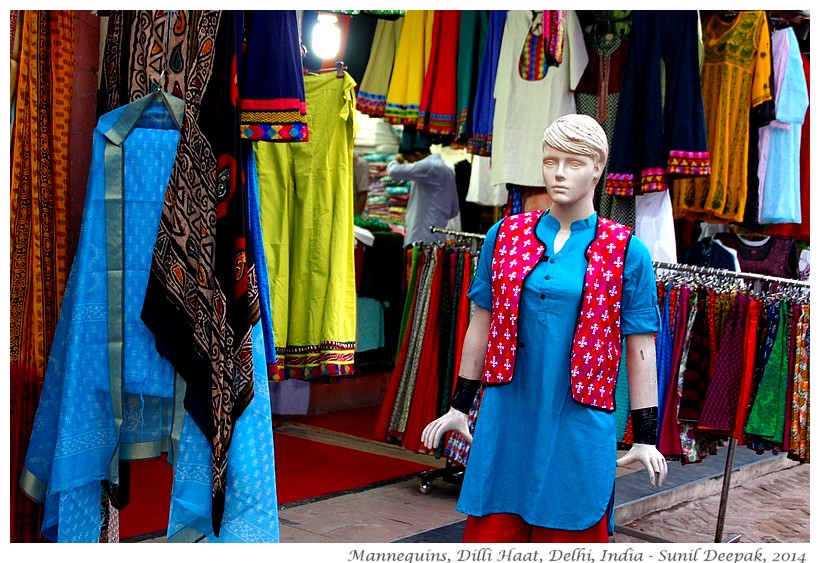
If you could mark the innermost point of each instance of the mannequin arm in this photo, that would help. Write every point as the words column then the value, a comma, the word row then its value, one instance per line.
column 643, row 395
column 472, row 364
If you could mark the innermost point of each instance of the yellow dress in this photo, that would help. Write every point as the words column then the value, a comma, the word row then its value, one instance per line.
column 409, row 68
column 735, row 77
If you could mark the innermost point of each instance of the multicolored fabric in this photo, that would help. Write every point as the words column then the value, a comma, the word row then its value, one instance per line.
column 372, row 94
column 799, row 431
column 39, row 222
column 272, row 104
column 592, row 378
column 201, row 300
column 544, row 45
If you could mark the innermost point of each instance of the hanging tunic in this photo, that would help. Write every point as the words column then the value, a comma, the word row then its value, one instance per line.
column 409, row 68
column 437, row 109
column 529, row 430
column 800, row 230
column 307, row 224
column 525, row 108
column 735, row 78
column 372, row 94
column 471, row 41
column 481, row 135
column 780, row 196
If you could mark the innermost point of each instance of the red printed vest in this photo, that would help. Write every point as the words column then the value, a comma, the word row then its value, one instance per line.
column 596, row 347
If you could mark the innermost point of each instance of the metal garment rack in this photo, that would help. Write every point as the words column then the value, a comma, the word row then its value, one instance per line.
column 730, row 455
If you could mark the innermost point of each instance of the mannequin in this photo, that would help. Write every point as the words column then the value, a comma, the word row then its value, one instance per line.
column 538, row 430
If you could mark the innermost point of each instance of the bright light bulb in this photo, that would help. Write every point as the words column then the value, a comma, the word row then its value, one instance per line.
column 326, row 37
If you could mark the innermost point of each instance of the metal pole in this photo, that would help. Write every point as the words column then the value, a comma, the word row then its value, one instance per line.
column 724, row 494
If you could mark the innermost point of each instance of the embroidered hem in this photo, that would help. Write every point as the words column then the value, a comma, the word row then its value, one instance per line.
column 689, row 163
column 371, row 104
column 327, row 361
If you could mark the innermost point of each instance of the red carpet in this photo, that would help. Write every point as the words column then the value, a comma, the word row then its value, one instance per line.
column 304, row 469
column 359, row 422
column 307, row 469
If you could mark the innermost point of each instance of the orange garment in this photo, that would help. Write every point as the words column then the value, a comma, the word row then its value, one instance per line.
column 749, row 352
column 735, row 77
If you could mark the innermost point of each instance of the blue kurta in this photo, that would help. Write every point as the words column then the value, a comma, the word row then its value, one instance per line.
column 536, row 452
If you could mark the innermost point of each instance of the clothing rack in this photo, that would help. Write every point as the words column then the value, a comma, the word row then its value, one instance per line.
column 728, row 273
column 727, row 471
column 454, row 233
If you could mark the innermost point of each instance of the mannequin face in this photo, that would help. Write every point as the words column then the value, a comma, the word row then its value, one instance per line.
column 570, row 178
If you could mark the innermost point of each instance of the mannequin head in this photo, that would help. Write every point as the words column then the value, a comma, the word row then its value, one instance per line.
column 574, row 155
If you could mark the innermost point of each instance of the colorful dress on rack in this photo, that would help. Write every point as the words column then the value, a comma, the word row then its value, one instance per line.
column 307, row 224
column 372, row 94
column 409, row 68
column 735, row 77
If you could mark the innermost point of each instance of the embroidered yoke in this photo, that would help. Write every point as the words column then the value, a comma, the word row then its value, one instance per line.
column 596, row 347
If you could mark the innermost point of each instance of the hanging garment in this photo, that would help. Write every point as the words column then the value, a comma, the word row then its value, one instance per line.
column 251, row 509
column 800, row 231
column 750, row 346
column 771, row 256
column 780, row 198
column 655, row 223
column 766, row 417
column 480, row 190
column 518, row 123
column 696, row 369
column 147, row 50
column 481, row 135
column 659, row 130
column 799, row 431
column 598, row 95
column 39, row 226
column 356, row 53
column 472, row 37
column 201, row 300
column 723, row 395
column 409, row 68
column 307, row 224
column 372, row 94
column 272, row 92
column 107, row 394
column 437, row 109
column 735, row 78
column 709, row 253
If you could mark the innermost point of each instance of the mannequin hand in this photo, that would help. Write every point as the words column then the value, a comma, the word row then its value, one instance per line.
column 651, row 458
column 454, row 420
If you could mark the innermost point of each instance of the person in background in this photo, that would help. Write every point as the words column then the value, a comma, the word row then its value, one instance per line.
column 433, row 194
column 555, row 292
column 361, row 184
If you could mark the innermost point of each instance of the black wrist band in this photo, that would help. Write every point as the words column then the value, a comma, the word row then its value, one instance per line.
column 464, row 395
column 645, row 425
